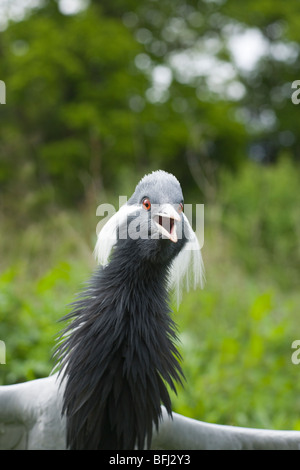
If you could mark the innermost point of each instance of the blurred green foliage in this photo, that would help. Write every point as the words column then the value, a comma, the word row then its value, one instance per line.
column 98, row 98
column 261, row 209
column 139, row 85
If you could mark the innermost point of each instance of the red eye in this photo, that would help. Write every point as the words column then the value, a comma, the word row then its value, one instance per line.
column 180, row 207
column 146, row 204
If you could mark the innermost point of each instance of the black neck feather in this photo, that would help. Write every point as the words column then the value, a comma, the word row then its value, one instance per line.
column 119, row 355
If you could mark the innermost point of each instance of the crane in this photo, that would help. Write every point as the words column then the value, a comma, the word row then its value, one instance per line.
column 119, row 351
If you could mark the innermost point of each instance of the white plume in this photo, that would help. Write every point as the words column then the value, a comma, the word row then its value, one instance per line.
column 187, row 268
column 107, row 237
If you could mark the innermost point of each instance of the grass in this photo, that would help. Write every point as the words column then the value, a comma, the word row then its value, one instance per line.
column 236, row 338
column 40, row 277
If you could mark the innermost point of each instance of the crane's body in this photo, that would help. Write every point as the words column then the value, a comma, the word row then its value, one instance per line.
column 30, row 415
column 30, row 419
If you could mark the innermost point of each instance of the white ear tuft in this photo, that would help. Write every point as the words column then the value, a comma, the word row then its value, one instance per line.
column 187, row 268
column 107, row 237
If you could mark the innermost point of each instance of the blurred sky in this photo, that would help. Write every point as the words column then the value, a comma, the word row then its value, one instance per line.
column 15, row 9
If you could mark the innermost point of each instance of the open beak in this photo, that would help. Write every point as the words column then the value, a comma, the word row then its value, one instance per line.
column 165, row 221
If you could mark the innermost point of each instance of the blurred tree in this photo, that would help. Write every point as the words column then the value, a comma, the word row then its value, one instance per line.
column 267, row 106
column 129, row 86
column 232, row 65
column 69, row 81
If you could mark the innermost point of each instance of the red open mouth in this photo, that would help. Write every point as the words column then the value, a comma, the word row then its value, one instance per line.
column 166, row 222
column 167, row 227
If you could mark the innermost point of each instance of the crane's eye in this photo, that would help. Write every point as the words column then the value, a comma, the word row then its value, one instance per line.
column 180, row 207
column 146, row 203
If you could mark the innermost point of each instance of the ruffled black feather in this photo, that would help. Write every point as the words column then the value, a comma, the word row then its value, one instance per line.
column 118, row 353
